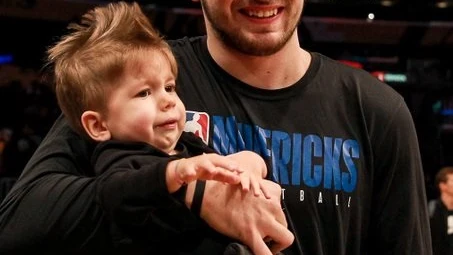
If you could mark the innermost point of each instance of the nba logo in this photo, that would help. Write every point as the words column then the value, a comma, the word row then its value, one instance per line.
column 198, row 123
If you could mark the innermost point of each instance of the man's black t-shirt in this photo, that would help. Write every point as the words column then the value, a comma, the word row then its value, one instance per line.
column 341, row 144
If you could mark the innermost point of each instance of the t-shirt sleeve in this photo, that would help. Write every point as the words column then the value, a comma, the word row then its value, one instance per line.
column 399, row 222
column 52, row 205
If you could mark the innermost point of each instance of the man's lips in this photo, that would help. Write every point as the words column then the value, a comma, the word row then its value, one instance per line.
column 261, row 13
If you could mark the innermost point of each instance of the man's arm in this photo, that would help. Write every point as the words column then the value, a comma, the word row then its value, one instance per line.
column 53, row 206
column 399, row 221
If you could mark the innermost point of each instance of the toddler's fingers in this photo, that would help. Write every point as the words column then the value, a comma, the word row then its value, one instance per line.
column 245, row 182
column 226, row 176
column 188, row 175
column 255, row 186
column 265, row 192
column 223, row 162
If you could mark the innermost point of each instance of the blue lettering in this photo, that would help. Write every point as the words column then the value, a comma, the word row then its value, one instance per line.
column 332, row 163
column 294, row 159
column 350, row 151
column 260, row 142
column 312, row 148
column 225, row 135
column 297, row 152
column 245, row 137
column 281, row 151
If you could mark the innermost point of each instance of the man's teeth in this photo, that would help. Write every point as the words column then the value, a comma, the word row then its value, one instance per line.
column 263, row 14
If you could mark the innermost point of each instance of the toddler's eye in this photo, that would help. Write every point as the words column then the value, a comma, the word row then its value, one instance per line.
column 144, row 93
column 170, row 88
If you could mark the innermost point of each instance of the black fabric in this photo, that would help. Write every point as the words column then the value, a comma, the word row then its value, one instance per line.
column 198, row 197
column 240, row 249
column 341, row 143
column 58, row 206
column 134, row 195
column 237, row 249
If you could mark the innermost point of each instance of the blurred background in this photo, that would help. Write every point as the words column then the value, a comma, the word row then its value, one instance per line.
column 406, row 43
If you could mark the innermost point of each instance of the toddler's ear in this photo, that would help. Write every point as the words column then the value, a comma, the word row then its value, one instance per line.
column 94, row 126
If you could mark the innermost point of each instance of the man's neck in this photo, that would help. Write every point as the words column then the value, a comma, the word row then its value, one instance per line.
column 277, row 71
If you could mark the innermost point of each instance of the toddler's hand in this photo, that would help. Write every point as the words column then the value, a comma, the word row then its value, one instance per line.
column 207, row 167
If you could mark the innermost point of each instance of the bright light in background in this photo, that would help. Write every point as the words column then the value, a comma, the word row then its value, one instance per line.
column 387, row 2
column 370, row 16
column 390, row 77
column 444, row 3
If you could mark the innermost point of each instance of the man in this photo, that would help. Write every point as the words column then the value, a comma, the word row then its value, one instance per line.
column 341, row 144
column 441, row 213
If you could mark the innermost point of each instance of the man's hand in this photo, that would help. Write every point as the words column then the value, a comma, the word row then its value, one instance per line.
column 250, row 161
column 254, row 169
column 245, row 217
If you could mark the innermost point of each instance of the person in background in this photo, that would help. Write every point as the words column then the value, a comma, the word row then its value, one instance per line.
column 441, row 213
column 339, row 143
